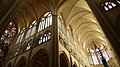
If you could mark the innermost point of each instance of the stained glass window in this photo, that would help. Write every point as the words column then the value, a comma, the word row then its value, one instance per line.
column 7, row 37
column 9, row 33
column 1, row 52
column 95, row 56
column 90, row 58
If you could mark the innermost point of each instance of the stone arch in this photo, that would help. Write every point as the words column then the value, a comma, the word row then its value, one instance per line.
column 74, row 65
column 64, row 61
column 40, row 59
column 9, row 65
column 22, row 62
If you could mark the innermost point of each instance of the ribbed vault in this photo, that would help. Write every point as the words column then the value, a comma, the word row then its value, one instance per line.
column 80, row 18
column 33, row 10
column 75, row 13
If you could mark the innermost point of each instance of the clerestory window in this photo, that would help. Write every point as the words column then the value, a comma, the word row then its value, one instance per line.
column 32, row 29
column 45, row 22
column 96, row 55
column 20, row 36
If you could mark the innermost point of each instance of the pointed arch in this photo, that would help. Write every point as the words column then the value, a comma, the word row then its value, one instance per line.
column 9, row 65
column 40, row 59
column 64, row 61
column 22, row 62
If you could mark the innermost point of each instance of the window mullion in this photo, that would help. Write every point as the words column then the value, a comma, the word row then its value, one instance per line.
column 97, row 58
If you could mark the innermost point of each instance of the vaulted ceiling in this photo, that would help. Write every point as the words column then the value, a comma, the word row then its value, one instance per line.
column 78, row 15
column 75, row 13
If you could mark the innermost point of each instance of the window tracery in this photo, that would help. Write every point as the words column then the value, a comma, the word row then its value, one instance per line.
column 20, row 36
column 45, row 22
column 44, row 38
column 95, row 55
column 108, row 5
column 28, row 46
column 40, row 40
column 32, row 29
column 9, row 33
column 7, row 38
column 118, row 1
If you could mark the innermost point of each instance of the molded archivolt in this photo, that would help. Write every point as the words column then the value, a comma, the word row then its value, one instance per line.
column 40, row 59
column 22, row 62
column 9, row 65
column 64, row 61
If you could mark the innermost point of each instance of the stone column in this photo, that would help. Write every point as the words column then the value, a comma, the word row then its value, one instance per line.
column 106, row 26
column 54, row 58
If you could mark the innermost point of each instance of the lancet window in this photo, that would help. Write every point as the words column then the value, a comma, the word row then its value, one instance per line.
column 45, row 22
column 32, row 29
column 20, row 36
column 108, row 5
column 97, row 55
column 43, row 38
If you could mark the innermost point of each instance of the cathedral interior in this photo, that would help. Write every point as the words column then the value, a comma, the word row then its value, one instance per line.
column 59, row 33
